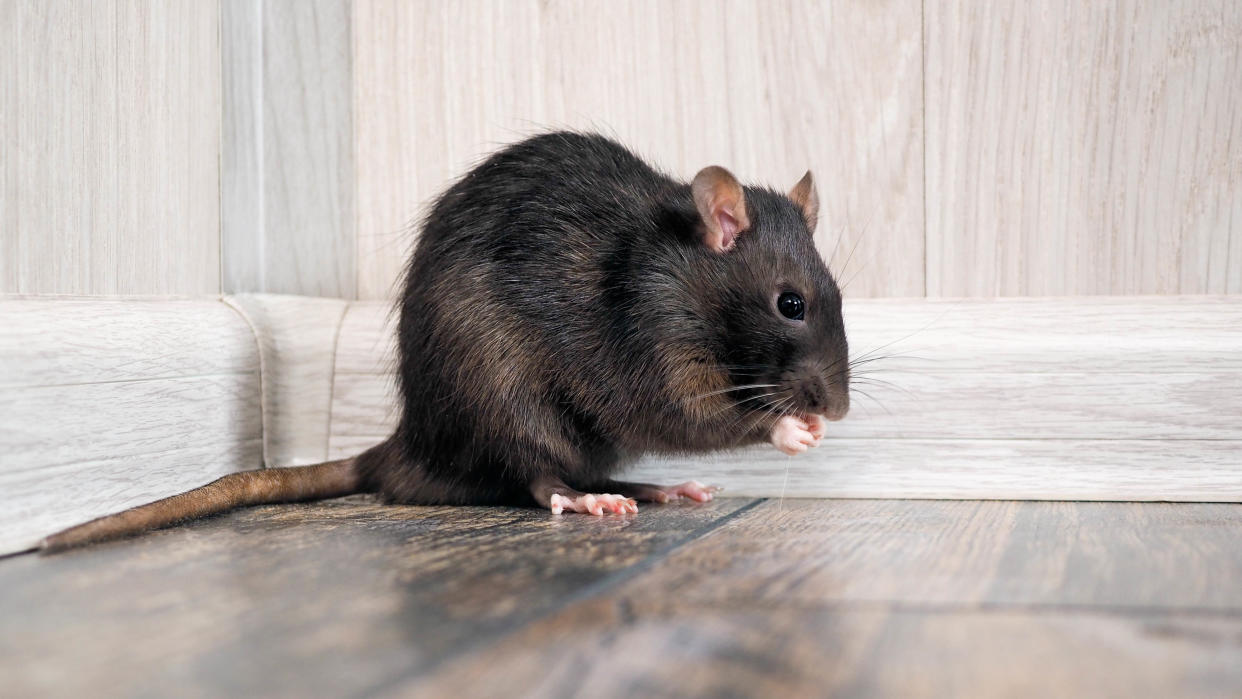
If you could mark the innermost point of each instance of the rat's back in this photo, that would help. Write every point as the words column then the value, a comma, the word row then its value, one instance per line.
column 509, row 319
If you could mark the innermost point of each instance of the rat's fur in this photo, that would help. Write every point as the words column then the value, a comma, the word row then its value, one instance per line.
column 562, row 313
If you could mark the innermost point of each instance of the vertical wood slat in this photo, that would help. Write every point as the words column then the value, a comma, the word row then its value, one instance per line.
column 59, row 158
column 1084, row 148
column 439, row 85
column 109, row 147
column 288, row 192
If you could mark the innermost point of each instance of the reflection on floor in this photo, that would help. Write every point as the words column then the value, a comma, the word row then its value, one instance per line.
column 738, row 597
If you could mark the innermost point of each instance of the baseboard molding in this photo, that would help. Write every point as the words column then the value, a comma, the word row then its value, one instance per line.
column 107, row 403
column 110, row 403
column 1095, row 398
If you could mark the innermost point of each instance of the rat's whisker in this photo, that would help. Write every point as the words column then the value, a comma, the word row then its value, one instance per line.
column 729, row 390
column 738, row 404
column 873, row 400
column 880, row 383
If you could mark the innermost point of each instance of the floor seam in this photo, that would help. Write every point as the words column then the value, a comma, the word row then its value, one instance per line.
column 594, row 590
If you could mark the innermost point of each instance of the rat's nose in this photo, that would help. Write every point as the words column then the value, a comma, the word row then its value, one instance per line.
column 814, row 395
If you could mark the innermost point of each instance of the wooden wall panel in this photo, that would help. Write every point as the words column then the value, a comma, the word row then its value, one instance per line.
column 766, row 88
column 59, row 153
column 1083, row 148
column 110, row 147
column 837, row 86
column 288, row 192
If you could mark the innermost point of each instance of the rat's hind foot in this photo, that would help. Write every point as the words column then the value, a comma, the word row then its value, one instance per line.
column 646, row 492
column 554, row 494
column 794, row 435
column 590, row 503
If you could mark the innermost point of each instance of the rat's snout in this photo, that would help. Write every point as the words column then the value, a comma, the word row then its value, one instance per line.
column 826, row 396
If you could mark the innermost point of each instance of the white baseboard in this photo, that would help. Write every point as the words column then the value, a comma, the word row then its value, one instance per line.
column 110, row 403
column 1094, row 398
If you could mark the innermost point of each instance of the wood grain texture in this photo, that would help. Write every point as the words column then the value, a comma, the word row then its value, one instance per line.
column 1100, row 399
column 288, row 204
column 687, row 651
column 1098, row 335
column 901, row 598
column 364, row 385
column 995, row 469
column 964, row 555
column 1083, row 148
column 333, row 598
column 297, row 338
column 111, row 147
column 111, row 403
column 243, row 251
column 753, row 86
column 737, row 597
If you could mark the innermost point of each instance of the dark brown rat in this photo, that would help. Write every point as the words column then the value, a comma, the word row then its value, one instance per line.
column 568, row 308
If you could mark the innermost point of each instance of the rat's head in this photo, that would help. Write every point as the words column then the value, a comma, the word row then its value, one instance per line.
column 777, row 306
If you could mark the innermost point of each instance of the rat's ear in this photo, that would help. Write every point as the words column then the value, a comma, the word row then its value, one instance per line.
column 722, row 206
column 807, row 199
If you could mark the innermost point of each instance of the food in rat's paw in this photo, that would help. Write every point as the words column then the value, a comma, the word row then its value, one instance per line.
column 566, row 309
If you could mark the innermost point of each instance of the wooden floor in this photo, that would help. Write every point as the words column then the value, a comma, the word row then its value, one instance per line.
column 741, row 597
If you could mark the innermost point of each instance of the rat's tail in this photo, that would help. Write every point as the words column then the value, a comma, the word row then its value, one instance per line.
column 327, row 480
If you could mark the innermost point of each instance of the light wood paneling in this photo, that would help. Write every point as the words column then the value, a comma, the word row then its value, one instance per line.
column 837, row 87
column 113, row 403
column 168, row 149
column 60, row 149
column 288, row 205
column 243, row 260
column 1083, row 148
column 110, row 147
column 757, row 87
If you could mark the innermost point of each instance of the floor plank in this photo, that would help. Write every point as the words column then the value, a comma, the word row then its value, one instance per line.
column 904, row 598
column 744, row 650
column 321, row 599
column 965, row 553
column 737, row 598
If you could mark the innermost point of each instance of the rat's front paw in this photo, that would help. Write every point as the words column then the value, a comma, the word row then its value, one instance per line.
column 794, row 435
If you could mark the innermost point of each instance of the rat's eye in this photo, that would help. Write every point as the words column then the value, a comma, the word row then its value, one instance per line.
column 791, row 305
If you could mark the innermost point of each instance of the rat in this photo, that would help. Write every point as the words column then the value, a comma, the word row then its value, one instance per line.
column 568, row 308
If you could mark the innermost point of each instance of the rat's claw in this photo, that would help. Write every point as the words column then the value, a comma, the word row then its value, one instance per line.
column 619, row 504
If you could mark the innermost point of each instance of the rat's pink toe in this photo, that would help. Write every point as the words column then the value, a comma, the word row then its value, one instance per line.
column 693, row 490
column 817, row 426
